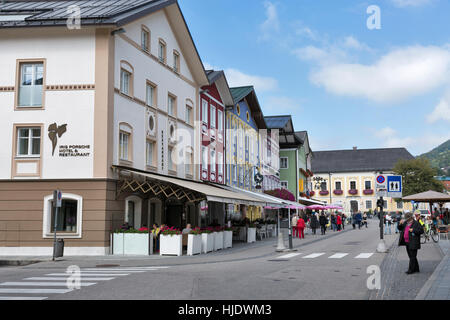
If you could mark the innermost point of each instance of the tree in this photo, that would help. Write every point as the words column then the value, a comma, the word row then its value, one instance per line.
column 418, row 176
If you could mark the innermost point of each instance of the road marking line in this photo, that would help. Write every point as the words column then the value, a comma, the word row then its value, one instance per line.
column 364, row 255
column 23, row 298
column 65, row 278
column 337, row 256
column 19, row 290
column 314, row 255
column 116, row 270
column 91, row 274
column 43, row 284
column 128, row 268
column 289, row 255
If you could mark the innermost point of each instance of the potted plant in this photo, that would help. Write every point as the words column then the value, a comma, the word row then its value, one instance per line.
column 218, row 238
column 207, row 240
column 227, row 238
column 171, row 242
column 251, row 233
column 130, row 241
column 194, row 242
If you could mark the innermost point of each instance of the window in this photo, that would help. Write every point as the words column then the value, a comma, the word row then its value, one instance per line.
column 170, row 157
column 284, row 184
column 368, row 204
column 162, row 51
column 368, row 185
column 213, row 116
column 352, row 185
column 125, row 81
column 67, row 216
column 150, row 97
column 176, row 61
column 338, row 185
column 171, row 106
column 248, row 117
column 384, row 204
column 220, row 120
column 234, row 170
column 31, row 84
column 399, row 205
column 150, row 153
column 145, row 39
column 284, row 163
column 213, row 160
column 68, row 220
column 124, row 141
column 28, row 142
column 189, row 162
column 204, row 158
column 238, row 109
column 220, row 163
column 204, row 111
column 188, row 114
column 323, row 186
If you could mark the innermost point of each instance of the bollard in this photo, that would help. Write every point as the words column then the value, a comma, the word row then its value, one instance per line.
column 280, row 246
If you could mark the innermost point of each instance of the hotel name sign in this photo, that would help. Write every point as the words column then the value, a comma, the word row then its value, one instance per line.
column 75, row 150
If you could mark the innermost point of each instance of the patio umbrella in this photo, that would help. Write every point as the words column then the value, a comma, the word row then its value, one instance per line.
column 316, row 207
column 428, row 196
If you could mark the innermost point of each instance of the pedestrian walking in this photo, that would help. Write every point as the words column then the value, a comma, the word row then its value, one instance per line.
column 338, row 222
column 343, row 221
column 323, row 221
column 387, row 224
column 410, row 231
column 365, row 219
column 358, row 217
column 294, row 226
column 354, row 220
column 313, row 222
column 301, row 227
column 333, row 222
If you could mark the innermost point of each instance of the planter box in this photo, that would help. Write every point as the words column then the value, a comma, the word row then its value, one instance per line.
column 353, row 191
column 227, row 239
column 171, row 245
column 131, row 243
column 207, row 242
column 323, row 193
column 338, row 192
column 368, row 191
column 251, row 235
column 194, row 244
column 218, row 241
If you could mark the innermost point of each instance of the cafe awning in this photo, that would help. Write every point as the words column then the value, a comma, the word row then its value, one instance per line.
column 309, row 202
column 428, row 196
column 187, row 190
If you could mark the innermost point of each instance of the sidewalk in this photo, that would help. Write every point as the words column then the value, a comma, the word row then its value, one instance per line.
column 438, row 285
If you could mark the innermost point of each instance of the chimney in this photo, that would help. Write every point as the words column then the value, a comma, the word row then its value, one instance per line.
column 355, row 148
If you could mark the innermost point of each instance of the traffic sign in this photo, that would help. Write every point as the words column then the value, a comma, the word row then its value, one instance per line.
column 57, row 198
column 394, row 186
column 380, row 182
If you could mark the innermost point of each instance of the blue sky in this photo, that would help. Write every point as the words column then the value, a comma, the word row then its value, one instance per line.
column 343, row 83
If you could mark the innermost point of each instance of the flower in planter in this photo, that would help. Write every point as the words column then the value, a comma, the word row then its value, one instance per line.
column 196, row 231
column 352, row 191
column 338, row 192
column 170, row 231
column 368, row 191
column 143, row 229
column 323, row 192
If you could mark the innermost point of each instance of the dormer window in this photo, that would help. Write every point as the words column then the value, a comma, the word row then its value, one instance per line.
column 145, row 39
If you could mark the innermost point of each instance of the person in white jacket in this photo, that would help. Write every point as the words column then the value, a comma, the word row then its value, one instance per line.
column 294, row 226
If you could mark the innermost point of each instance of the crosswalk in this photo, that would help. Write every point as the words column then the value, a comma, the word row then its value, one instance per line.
column 39, row 287
column 338, row 255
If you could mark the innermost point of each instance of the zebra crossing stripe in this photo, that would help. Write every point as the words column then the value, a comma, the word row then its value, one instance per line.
column 20, row 290
column 65, row 278
column 314, row 255
column 43, row 284
column 116, row 270
column 364, row 255
column 337, row 256
column 23, row 298
column 91, row 274
column 289, row 255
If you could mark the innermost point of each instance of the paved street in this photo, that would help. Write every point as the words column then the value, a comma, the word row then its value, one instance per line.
column 330, row 267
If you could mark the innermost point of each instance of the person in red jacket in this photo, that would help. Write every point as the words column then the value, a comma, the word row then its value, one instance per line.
column 301, row 227
column 339, row 222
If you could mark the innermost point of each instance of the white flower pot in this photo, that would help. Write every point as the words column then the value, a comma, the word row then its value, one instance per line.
column 218, row 241
column 130, row 243
column 251, row 235
column 207, row 242
column 194, row 244
column 171, row 245
column 227, row 239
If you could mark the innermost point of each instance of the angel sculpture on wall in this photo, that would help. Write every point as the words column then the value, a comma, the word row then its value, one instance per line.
column 55, row 131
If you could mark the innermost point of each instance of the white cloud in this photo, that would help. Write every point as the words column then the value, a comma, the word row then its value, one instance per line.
column 410, row 3
column 399, row 75
column 389, row 138
column 352, row 43
column 280, row 105
column 237, row 78
column 441, row 111
column 272, row 23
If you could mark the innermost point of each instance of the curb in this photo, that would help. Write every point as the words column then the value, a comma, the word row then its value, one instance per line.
column 17, row 263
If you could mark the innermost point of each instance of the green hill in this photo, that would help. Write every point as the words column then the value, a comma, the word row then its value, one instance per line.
column 440, row 158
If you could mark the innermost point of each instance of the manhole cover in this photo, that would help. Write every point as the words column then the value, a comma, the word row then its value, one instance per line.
column 107, row 265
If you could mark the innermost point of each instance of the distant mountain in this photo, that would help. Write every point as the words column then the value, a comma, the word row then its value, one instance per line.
column 440, row 158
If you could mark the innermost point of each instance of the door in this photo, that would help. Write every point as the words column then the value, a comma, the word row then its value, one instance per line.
column 174, row 215
column 354, row 206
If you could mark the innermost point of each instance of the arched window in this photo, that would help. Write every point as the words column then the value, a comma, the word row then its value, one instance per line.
column 126, row 78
